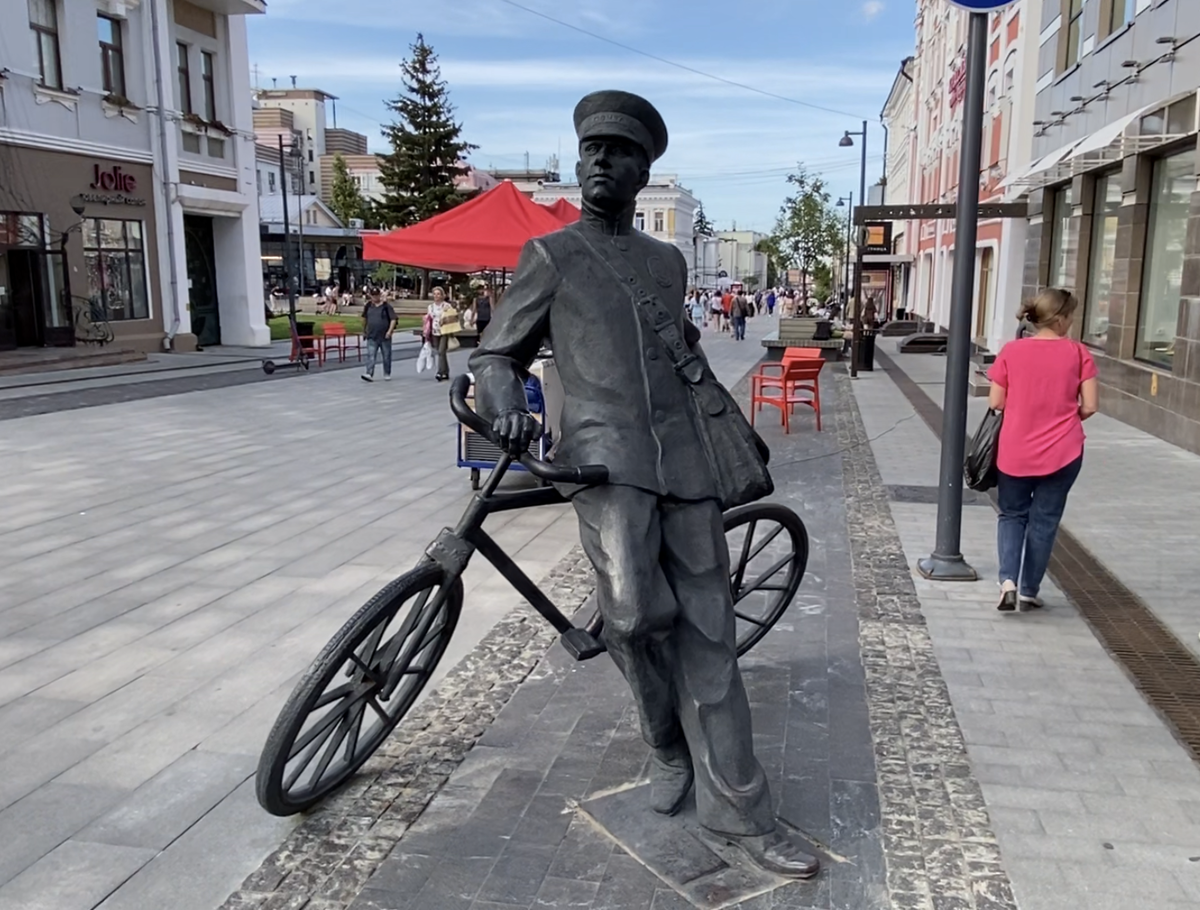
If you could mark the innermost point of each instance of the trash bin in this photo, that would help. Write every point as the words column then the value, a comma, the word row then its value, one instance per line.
column 866, row 350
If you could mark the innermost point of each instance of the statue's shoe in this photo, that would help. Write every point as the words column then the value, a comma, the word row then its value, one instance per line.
column 671, row 777
column 774, row 852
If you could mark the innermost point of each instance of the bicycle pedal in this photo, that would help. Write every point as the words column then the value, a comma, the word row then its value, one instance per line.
column 581, row 644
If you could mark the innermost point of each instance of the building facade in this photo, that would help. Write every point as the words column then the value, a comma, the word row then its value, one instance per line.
column 330, row 251
column 740, row 259
column 666, row 210
column 126, row 173
column 934, row 126
column 1114, row 201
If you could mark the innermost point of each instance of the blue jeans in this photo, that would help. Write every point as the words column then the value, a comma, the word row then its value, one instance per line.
column 1030, row 510
column 381, row 347
column 739, row 327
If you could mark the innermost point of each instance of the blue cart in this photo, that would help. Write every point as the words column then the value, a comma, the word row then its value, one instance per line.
column 481, row 454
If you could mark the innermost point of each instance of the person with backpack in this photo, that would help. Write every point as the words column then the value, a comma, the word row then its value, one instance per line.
column 1045, row 385
column 379, row 322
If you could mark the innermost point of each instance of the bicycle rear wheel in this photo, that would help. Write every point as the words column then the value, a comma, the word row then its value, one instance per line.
column 768, row 553
column 356, row 691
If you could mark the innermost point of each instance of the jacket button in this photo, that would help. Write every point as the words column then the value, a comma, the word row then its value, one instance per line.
column 652, row 353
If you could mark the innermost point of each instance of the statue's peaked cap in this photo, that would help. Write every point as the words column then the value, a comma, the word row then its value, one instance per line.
column 623, row 114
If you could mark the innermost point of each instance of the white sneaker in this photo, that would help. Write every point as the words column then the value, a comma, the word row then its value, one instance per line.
column 387, row 377
column 366, row 378
column 1031, row 603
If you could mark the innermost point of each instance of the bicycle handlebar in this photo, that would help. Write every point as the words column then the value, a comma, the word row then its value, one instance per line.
column 586, row 475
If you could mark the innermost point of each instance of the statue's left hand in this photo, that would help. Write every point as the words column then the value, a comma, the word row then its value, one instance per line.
column 515, row 430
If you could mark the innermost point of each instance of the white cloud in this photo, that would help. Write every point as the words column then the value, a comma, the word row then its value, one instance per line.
column 872, row 8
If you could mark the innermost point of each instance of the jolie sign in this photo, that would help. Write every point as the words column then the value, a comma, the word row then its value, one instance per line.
column 115, row 184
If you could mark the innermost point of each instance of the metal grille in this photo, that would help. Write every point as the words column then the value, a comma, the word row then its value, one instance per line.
column 1163, row 669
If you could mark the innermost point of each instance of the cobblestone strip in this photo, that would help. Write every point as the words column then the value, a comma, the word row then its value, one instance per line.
column 327, row 860
column 941, row 851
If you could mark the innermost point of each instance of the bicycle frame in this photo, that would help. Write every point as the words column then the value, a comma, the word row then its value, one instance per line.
column 453, row 549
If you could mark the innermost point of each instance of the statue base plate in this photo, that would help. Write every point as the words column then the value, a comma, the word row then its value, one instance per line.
column 708, row 875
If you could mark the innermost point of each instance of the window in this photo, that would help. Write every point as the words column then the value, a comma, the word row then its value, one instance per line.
column 270, row 181
column 216, row 147
column 1171, row 194
column 312, row 177
column 116, row 267
column 43, row 20
column 210, row 89
column 659, row 222
column 1064, row 241
column 185, row 79
column 1072, row 38
column 191, row 143
column 1103, row 255
column 639, row 221
column 112, row 59
column 1122, row 12
column 310, row 154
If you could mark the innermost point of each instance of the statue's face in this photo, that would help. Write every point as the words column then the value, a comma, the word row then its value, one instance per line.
column 611, row 171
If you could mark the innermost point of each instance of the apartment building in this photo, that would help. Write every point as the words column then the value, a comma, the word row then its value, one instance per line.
column 126, row 155
column 1114, row 201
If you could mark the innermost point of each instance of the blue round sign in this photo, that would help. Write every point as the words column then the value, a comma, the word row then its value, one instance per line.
column 981, row 6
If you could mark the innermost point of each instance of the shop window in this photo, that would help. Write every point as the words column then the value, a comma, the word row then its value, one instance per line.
column 208, row 77
column 115, row 258
column 660, row 223
column 43, row 21
column 1103, row 255
column 184, row 74
column 112, row 58
column 1170, row 200
column 1064, row 241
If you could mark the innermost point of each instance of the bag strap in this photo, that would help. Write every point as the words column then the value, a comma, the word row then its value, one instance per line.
column 651, row 310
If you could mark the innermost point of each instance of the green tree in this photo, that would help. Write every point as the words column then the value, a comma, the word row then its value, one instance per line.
column 701, row 226
column 807, row 231
column 345, row 198
column 427, row 147
column 776, row 261
column 823, row 280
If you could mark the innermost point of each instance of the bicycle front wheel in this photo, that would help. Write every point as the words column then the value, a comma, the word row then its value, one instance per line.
column 356, row 691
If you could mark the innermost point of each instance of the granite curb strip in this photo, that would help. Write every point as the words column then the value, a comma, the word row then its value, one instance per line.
column 328, row 859
column 940, row 849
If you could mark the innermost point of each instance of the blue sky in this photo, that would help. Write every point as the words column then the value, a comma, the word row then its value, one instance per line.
column 515, row 77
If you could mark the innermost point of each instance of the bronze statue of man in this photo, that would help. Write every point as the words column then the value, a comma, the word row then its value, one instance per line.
column 639, row 398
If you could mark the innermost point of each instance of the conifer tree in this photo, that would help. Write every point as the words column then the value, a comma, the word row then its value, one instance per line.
column 344, row 196
column 701, row 226
column 427, row 147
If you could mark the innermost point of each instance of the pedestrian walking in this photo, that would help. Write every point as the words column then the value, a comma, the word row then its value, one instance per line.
column 771, row 302
column 444, row 325
column 738, row 310
column 483, row 309
column 1045, row 385
column 379, row 322
column 716, row 311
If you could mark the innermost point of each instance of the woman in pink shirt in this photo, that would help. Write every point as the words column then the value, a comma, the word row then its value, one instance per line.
column 1046, row 386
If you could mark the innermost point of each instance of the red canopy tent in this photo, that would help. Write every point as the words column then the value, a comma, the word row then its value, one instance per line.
column 484, row 233
column 564, row 211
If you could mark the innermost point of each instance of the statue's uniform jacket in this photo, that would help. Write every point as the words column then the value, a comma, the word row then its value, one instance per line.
column 624, row 406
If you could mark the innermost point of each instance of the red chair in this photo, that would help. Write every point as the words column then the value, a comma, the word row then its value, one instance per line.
column 306, row 347
column 782, row 391
column 802, row 354
column 336, row 336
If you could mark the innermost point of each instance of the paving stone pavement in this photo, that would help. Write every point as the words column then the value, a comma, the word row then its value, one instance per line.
column 171, row 565
column 1093, row 801
column 502, row 833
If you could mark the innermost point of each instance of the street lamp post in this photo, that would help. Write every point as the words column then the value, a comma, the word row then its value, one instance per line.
column 846, row 253
column 856, row 337
column 297, row 156
column 287, row 235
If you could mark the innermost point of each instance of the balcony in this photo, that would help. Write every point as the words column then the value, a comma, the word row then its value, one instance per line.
column 232, row 7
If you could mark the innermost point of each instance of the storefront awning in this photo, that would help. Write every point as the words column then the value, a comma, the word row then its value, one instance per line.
column 1098, row 147
column 1034, row 174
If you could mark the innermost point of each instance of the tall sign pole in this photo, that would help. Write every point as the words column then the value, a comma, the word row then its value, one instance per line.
column 947, row 562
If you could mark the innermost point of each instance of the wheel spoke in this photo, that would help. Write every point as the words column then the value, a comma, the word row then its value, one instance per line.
column 333, row 695
column 765, row 542
column 757, row 622
column 740, row 572
column 770, row 573
column 335, row 743
column 355, row 728
column 378, row 708
column 396, row 642
column 325, row 724
column 311, row 744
